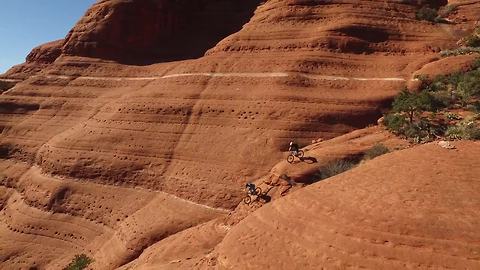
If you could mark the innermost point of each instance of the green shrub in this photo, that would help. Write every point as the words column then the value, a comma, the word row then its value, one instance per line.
column 467, row 130
column 472, row 132
column 468, row 87
column 438, row 84
column 459, row 51
column 335, row 167
column 456, row 87
column 375, row 151
column 443, row 99
column 421, row 77
column 476, row 63
column 412, row 103
column 427, row 14
column 395, row 122
column 447, row 10
column 473, row 41
column 421, row 130
column 461, row 89
column 454, row 133
column 418, row 131
column 453, row 116
column 80, row 262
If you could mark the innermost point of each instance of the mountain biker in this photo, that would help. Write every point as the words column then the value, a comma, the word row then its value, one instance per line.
column 293, row 148
column 251, row 188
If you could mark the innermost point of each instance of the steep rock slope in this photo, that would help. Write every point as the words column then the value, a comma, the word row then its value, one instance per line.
column 171, row 253
column 45, row 221
column 415, row 209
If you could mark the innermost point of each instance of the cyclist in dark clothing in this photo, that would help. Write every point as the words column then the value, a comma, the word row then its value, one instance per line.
column 293, row 148
column 251, row 188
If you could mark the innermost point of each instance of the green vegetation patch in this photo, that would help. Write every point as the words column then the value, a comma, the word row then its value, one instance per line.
column 469, row 45
column 335, row 167
column 459, row 51
column 375, row 151
column 473, row 40
column 427, row 14
column 80, row 262
column 466, row 130
column 425, row 115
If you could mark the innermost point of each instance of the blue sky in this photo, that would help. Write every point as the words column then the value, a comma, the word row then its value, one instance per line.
column 25, row 24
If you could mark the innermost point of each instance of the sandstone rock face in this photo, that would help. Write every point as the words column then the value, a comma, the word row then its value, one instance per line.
column 46, row 53
column 38, row 59
column 415, row 218
column 107, row 159
column 151, row 30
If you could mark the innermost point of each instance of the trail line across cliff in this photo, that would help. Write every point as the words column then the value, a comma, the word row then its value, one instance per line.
column 234, row 74
column 10, row 80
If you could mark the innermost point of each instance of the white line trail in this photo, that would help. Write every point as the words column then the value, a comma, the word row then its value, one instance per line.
column 234, row 74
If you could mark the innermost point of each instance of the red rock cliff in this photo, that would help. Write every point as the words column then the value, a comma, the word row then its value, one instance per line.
column 136, row 31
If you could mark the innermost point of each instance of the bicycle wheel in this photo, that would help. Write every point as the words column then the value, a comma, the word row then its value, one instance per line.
column 247, row 200
column 300, row 154
column 258, row 191
column 290, row 158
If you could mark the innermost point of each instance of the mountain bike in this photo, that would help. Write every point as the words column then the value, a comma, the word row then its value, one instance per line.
column 252, row 196
column 299, row 154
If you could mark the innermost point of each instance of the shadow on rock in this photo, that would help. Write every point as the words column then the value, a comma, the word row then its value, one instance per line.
column 309, row 160
column 265, row 198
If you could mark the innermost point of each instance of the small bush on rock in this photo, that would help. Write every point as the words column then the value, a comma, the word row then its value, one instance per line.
column 413, row 103
column 473, row 40
column 335, row 167
column 466, row 130
column 80, row 262
column 447, row 10
column 427, row 14
column 395, row 122
column 375, row 151
column 459, row 51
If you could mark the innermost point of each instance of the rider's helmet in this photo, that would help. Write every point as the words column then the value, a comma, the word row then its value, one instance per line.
column 291, row 143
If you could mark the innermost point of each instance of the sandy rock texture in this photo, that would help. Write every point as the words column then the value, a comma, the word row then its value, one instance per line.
column 389, row 213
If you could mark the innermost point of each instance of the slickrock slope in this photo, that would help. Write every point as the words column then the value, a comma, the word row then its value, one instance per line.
column 202, row 240
column 45, row 221
column 412, row 209
column 97, row 140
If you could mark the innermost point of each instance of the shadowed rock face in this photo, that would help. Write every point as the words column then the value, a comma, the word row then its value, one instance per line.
column 140, row 32
column 430, row 3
